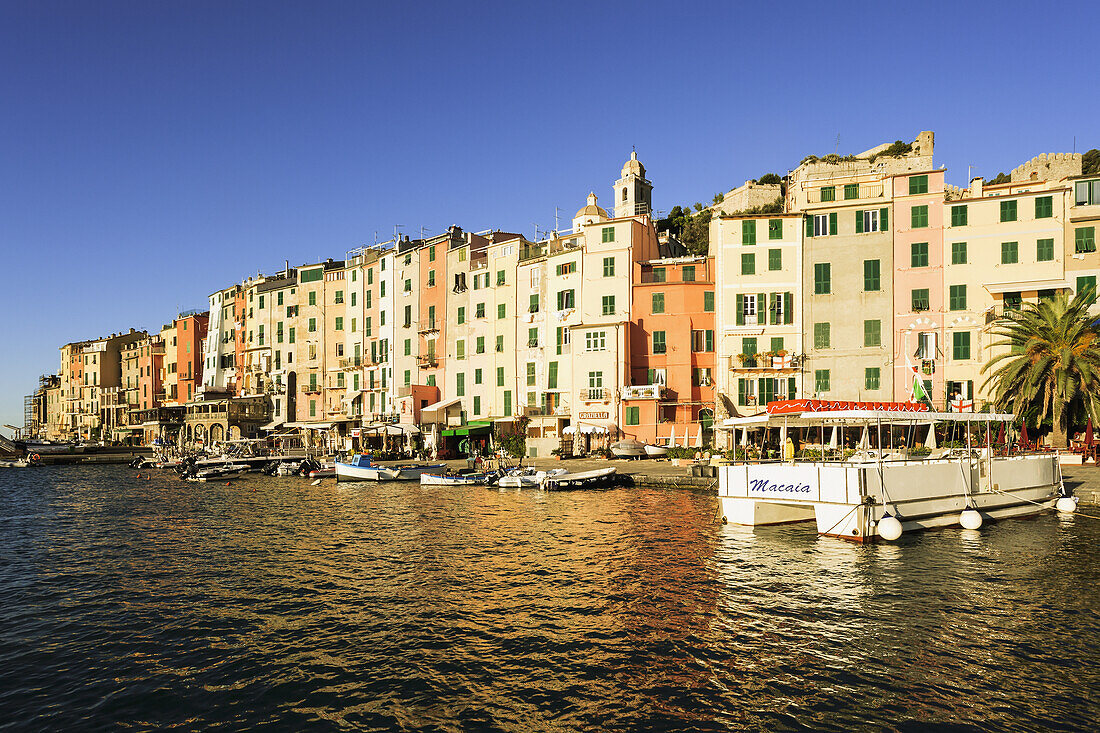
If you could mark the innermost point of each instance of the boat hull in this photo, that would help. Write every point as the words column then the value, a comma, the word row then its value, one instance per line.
column 849, row 500
column 597, row 479
column 431, row 479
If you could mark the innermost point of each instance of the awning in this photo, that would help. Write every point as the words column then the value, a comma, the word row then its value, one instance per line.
column 440, row 406
column 310, row 425
column 272, row 425
column 1027, row 286
column 468, row 430
column 391, row 429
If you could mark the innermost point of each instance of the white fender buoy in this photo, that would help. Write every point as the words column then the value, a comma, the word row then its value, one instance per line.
column 1066, row 504
column 889, row 528
column 970, row 519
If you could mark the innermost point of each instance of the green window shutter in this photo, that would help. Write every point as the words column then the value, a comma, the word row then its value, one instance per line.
column 960, row 347
column 957, row 297
column 828, row 193
column 1044, row 207
column 958, row 253
column 872, row 276
column 748, row 263
column 792, row 392
column 740, row 308
column 872, row 333
column 883, row 220
column 788, row 308
column 775, row 259
column 832, row 222
column 871, row 378
column 762, row 308
column 1010, row 253
column 859, row 222
column 809, row 226
column 1084, row 239
column 658, row 304
column 774, row 309
column 918, row 184
column 552, row 375
column 1087, row 284
column 777, row 343
column 1044, row 250
column 500, row 376
column 742, row 391
column 748, row 232
column 851, row 191
column 822, row 278
column 822, row 333
column 1008, row 211
column 918, row 254
column 708, row 301
column 775, row 229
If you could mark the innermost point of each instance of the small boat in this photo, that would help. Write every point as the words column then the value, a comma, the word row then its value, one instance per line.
column 596, row 479
column 362, row 468
column 468, row 479
column 219, row 473
column 656, row 451
column 327, row 470
column 18, row 463
column 629, row 448
column 527, row 478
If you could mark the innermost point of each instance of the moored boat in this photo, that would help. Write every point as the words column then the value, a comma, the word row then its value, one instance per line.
column 656, row 451
column 629, row 448
column 885, row 491
column 469, row 479
column 527, row 478
column 363, row 468
column 596, row 479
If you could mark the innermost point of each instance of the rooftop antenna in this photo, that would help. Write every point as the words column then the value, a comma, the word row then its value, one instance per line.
column 422, row 230
column 838, row 143
column 395, row 228
column 556, row 210
column 536, row 226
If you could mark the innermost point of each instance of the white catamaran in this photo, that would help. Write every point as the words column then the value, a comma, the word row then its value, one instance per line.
column 885, row 489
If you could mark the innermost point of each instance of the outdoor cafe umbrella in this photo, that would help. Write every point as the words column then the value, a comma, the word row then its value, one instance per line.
column 930, row 442
column 1023, row 434
column 1088, row 435
column 1001, row 435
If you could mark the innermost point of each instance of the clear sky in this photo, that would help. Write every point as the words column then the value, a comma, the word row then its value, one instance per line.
column 152, row 152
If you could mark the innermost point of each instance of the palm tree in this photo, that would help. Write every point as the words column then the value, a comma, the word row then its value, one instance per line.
column 1053, row 362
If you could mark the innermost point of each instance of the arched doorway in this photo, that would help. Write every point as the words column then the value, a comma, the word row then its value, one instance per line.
column 217, row 433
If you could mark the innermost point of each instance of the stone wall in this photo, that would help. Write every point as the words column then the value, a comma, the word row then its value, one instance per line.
column 1048, row 167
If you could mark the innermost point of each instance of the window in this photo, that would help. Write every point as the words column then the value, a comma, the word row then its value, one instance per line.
column 748, row 263
column 821, row 225
column 479, row 310
column 339, row 298
column 851, row 191
column 460, row 384
column 595, row 341
column 532, row 338
column 748, row 232
column 370, row 276
column 659, row 345
column 960, row 345
column 408, row 347
column 366, row 299
column 607, row 234
column 312, row 325
column 919, row 254
column 313, row 408
column 313, row 298
column 775, row 259
column 608, row 305
column 499, row 346
column 566, row 300
column 658, row 274
column 502, row 310
column 702, row 340
column 461, row 315
column 687, row 274
column 958, row 216
column 958, row 253
column 919, row 217
column 748, row 352
column 479, row 346
column 1084, row 239
column 431, row 253
column 408, row 286
column 1044, row 250
column 822, row 335
column 1087, row 193
column 552, row 375
column 1012, row 301
column 633, row 415
column 500, row 376
column 872, row 275
column 261, row 332
column 1044, row 207
column 823, row 278
column 1010, row 253
column 821, row 380
column 957, row 298
column 919, row 299
column 530, row 374
column 431, row 317
column 872, row 333
column 608, row 266
column 431, row 278
column 828, row 193
column 367, row 327
column 1008, row 211
column 918, row 184
column 746, row 308
column 872, row 220
column 775, row 229
column 658, row 305
column 1087, row 283
column 339, row 323
column 565, row 268
column 872, row 378
column 708, row 301
column 290, row 335
column 460, row 349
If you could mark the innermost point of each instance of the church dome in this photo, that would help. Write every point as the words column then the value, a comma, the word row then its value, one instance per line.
column 591, row 209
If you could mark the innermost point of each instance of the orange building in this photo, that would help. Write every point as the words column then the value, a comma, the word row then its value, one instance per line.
column 670, row 399
column 190, row 339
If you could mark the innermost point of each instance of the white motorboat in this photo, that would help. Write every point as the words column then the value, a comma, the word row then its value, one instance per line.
column 218, row 473
column 527, row 478
column 596, row 479
column 885, row 492
column 656, row 451
column 629, row 448
column 362, row 468
column 469, row 479
column 17, row 463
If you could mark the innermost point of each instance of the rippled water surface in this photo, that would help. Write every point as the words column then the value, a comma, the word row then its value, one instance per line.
column 150, row 603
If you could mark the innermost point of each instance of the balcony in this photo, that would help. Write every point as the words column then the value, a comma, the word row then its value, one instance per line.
column 429, row 327
column 311, row 389
column 766, row 361
column 594, row 394
column 351, row 362
column 427, row 361
column 643, row 392
column 385, row 417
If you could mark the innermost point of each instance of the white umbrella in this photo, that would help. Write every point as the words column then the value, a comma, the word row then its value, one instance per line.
column 672, row 435
column 744, row 437
column 833, row 437
column 865, row 440
column 699, row 437
column 930, row 441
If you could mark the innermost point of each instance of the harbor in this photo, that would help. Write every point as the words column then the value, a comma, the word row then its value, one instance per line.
column 156, row 603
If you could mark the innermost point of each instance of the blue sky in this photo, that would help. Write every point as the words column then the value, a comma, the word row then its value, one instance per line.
column 153, row 152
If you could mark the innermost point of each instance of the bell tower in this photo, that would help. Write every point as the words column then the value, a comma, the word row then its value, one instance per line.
column 633, row 193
